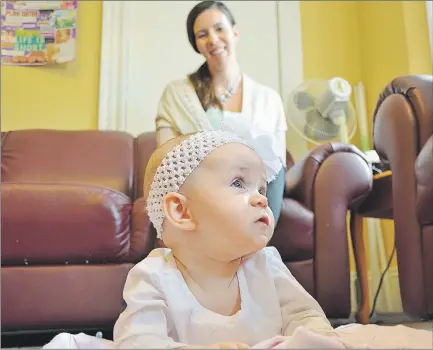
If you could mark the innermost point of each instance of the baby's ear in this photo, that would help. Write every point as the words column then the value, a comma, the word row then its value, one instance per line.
column 176, row 211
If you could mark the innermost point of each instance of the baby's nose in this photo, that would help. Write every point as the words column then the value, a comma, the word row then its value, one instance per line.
column 259, row 200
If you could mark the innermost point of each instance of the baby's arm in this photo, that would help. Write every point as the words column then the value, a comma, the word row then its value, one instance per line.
column 146, row 322
column 298, row 308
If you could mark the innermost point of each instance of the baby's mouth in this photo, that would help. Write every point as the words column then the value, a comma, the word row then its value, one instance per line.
column 264, row 219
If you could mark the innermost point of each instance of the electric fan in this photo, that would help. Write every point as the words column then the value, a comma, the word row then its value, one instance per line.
column 320, row 111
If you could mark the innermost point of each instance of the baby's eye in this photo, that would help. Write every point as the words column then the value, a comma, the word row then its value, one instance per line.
column 263, row 191
column 238, row 183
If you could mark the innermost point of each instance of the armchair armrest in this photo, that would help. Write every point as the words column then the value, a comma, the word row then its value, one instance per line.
column 424, row 176
column 331, row 180
column 403, row 111
column 337, row 164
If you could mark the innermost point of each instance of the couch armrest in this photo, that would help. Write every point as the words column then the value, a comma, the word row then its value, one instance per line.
column 424, row 177
column 143, row 234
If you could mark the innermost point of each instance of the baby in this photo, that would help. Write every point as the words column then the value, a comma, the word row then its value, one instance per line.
column 216, row 285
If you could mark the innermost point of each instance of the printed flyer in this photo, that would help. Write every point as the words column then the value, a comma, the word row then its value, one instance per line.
column 35, row 33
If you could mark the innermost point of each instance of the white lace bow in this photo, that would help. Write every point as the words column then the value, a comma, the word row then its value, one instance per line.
column 264, row 143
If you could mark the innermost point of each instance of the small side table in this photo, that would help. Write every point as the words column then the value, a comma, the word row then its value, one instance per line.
column 377, row 205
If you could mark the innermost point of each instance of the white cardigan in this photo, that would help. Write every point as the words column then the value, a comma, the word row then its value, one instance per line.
column 180, row 112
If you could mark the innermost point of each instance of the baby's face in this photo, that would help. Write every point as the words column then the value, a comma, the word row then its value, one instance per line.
column 227, row 198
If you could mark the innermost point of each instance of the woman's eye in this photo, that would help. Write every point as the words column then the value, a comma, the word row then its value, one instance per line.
column 238, row 183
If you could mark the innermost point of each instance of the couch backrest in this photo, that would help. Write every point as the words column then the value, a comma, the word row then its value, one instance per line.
column 145, row 144
column 74, row 157
column 115, row 160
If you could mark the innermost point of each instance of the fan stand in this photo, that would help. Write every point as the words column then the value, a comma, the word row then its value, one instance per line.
column 341, row 122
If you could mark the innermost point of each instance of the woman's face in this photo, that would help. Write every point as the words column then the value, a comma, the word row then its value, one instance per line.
column 215, row 37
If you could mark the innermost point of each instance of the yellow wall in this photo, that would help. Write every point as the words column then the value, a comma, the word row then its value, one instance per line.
column 394, row 41
column 330, row 41
column 60, row 97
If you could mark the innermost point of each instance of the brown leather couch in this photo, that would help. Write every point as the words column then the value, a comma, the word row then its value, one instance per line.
column 73, row 224
column 403, row 138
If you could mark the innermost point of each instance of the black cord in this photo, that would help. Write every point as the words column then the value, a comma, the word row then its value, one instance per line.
column 380, row 283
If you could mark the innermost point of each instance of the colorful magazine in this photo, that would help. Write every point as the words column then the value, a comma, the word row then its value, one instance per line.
column 38, row 32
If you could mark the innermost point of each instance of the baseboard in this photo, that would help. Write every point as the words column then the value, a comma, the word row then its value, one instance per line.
column 393, row 304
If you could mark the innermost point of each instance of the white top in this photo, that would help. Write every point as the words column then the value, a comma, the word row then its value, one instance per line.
column 262, row 111
column 163, row 313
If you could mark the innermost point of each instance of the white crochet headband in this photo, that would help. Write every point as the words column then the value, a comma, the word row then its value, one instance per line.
column 178, row 164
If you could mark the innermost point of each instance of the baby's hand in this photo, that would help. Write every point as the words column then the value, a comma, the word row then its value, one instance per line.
column 219, row 346
column 271, row 343
column 228, row 346
column 304, row 339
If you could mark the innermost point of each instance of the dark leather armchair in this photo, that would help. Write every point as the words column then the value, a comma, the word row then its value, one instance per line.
column 403, row 138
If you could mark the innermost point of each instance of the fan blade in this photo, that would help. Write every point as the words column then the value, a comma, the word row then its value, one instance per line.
column 303, row 100
column 319, row 128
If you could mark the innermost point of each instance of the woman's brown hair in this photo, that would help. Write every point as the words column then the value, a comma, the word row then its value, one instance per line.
column 201, row 79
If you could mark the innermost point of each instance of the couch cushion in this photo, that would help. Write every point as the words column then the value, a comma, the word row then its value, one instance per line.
column 293, row 236
column 63, row 224
column 61, row 297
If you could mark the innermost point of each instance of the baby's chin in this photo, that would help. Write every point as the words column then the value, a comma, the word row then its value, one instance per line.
column 259, row 244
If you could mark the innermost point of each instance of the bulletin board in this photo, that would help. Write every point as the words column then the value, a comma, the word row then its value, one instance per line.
column 35, row 33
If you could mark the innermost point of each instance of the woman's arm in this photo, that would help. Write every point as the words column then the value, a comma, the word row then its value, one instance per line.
column 280, row 129
column 165, row 119
column 280, row 140
column 163, row 134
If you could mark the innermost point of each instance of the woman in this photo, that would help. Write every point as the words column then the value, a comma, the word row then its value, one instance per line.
column 219, row 96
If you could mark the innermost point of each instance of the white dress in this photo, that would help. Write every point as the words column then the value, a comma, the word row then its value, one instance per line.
column 163, row 313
